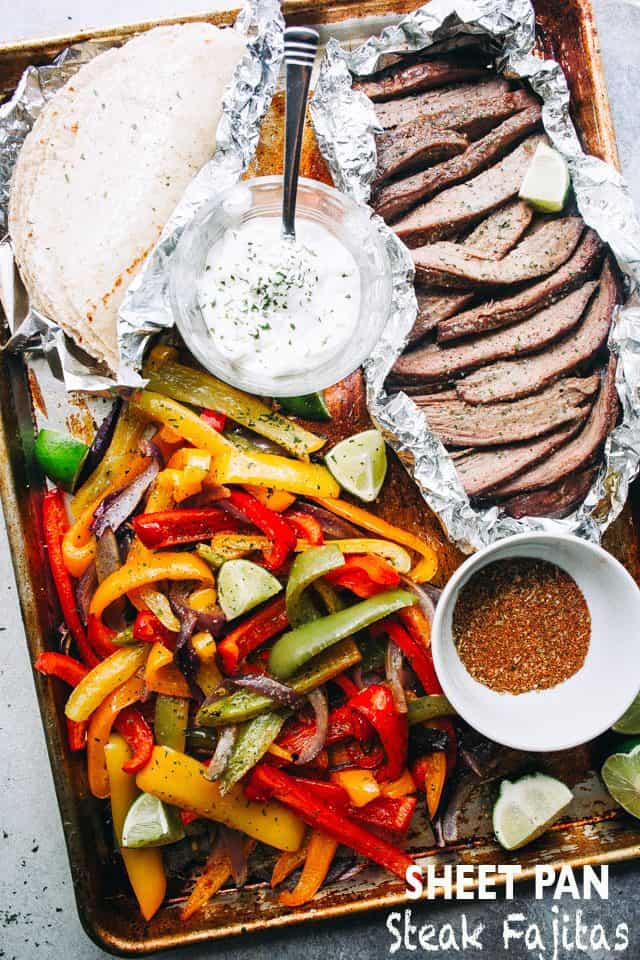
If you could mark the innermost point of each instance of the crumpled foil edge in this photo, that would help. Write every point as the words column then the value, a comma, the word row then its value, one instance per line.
column 345, row 125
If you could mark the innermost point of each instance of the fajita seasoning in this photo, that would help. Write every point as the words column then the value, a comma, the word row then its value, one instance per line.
column 521, row 624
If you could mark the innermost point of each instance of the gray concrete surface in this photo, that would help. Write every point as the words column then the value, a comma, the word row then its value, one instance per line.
column 38, row 920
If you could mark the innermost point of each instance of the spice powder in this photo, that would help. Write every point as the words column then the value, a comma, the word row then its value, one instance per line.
column 521, row 624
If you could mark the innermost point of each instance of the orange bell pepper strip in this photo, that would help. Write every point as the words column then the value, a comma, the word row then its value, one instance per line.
column 419, row 630
column 276, row 500
column 100, row 727
column 402, row 787
column 216, row 873
column 320, row 854
column 161, row 674
column 287, row 862
column 434, row 769
column 446, row 725
column 360, row 785
column 427, row 566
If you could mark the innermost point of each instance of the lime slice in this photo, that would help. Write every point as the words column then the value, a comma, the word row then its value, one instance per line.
column 629, row 722
column 242, row 585
column 621, row 774
column 309, row 407
column 61, row 457
column 546, row 183
column 151, row 823
column 359, row 464
column 525, row 809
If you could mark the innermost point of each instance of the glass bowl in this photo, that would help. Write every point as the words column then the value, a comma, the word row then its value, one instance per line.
column 348, row 222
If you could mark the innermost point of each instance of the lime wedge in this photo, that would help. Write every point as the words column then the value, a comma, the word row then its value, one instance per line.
column 621, row 774
column 151, row 823
column 60, row 457
column 546, row 183
column 309, row 407
column 359, row 464
column 525, row 809
column 629, row 722
column 242, row 585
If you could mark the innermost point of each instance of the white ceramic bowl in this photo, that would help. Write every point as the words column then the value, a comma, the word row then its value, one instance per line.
column 590, row 701
column 349, row 222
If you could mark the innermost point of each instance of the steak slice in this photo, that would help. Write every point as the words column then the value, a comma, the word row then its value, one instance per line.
column 446, row 102
column 461, row 424
column 394, row 198
column 442, row 363
column 416, row 144
column 482, row 470
column 517, row 378
column 494, row 237
column 435, row 305
column 574, row 455
column 519, row 306
column 402, row 79
column 451, row 265
column 554, row 502
column 455, row 208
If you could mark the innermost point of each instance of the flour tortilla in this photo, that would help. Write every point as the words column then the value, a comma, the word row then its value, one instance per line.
column 104, row 166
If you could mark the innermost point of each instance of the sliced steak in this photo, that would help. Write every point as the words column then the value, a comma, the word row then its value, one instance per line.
column 494, row 237
column 446, row 102
column 435, row 305
column 394, row 198
column 442, row 363
column 574, row 455
column 401, row 80
column 416, row 145
column 482, row 470
column 518, row 378
column 451, row 265
column 553, row 502
column 499, row 313
column 461, row 424
column 468, row 202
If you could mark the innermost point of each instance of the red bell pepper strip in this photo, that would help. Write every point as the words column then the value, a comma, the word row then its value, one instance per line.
column 419, row 629
column 131, row 725
column 369, row 759
column 101, row 637
column 169, row 528
column 188, row 816
column 387, row 813
column 376, row 703
column 252, row 633
column 55, row 524
column 306, row 527
column 347, row 686
column 416, row 653
column 214, row 419
column 148, row 629
column 364, row 575
column 267, row 781
column 77, row 734
column 282, row 537
column 70, row 671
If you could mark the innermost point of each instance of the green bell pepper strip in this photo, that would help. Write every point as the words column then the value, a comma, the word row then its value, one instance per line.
column 253, row 740
column 124, row 638
column 308, row 567
column 331, row 600
column 428, row 708
column 244, row 704
column 170, row 722
column 294, row 648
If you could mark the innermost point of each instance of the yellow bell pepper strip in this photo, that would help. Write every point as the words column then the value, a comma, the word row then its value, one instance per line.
column 100, row 726
column 148, row 598
column 190, row 457
column 276, row 500
column 116, row 465
column 397, row 557
column 204, row 598
column 203, row 390
column 402, row 787
column 170, row 720
column 103, row 679
column 360, row 785
column 215, row 874
column 277, row 751
column 161, row 674
column 160, row 354
column 270, row 470
column 428, row 708
column 244, row 704
column 320, row 854
column 144, row 867
column 425, row 569
column 180, row 780
column 287, row 863
column 181, row 420
column 208, row 676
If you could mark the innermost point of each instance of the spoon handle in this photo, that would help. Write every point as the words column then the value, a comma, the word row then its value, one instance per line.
column 300, row 48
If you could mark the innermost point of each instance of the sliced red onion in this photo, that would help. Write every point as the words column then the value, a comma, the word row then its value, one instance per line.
column 356, row 675
column 100, row 442
column 332, row 526
column 344, row 870
column 212, row 622
column 427, row 596
column 318, row 700
column 222, row 755
column 85, row 589
column 234, row 844
column 118, row 507
column 268, row 687
column 107, row 555
column 184, row 654
column 393, row 670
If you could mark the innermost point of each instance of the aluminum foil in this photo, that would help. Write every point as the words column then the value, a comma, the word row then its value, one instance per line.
column 345, row 125
column 145, row 310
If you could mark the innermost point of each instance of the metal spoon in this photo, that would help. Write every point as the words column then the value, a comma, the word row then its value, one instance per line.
column 300, row 48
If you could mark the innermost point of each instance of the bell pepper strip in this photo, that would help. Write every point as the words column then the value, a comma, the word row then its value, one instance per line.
column 158, row 356
column 279, row 753
column 101, row 637
column 276, row 500
column 55, row 525
column 402, row 787
column 388, row 813
column 202, row 389
column 204, row 598
column 387, row 551
column 419, row 656
column 161, row 674
column 297, row 646
column 100, row 727
column 187, row 817
column 178, row 779
column 181, row 420
column 70, row 671
column 144, row 867
column 103, row 679
column 347, row 686
column 428, row 708
column 172, row 527
column 367, row 759
column 244, row 704
column 148, row 598
column 273, row 471
column 365, row 576
column 305, row 570
column 306, row 527
column 267, row 781
column 287, row 863
column 331, row 600
column 433, row 769
column 252, row 742
column 170, row 720
column 360, row 785
column 281, row 535
column 320, row 853
column 208, row 676
column 148, row 629
column 137, row 733
column 446, row 725
column 427, row 566
column 216, row 872
column 76, row 735
column 376, row 704
column 214, row 419
column 419, row 629
column 269, row 621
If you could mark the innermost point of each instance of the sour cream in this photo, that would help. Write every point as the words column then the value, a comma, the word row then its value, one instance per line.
column 276, row 305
